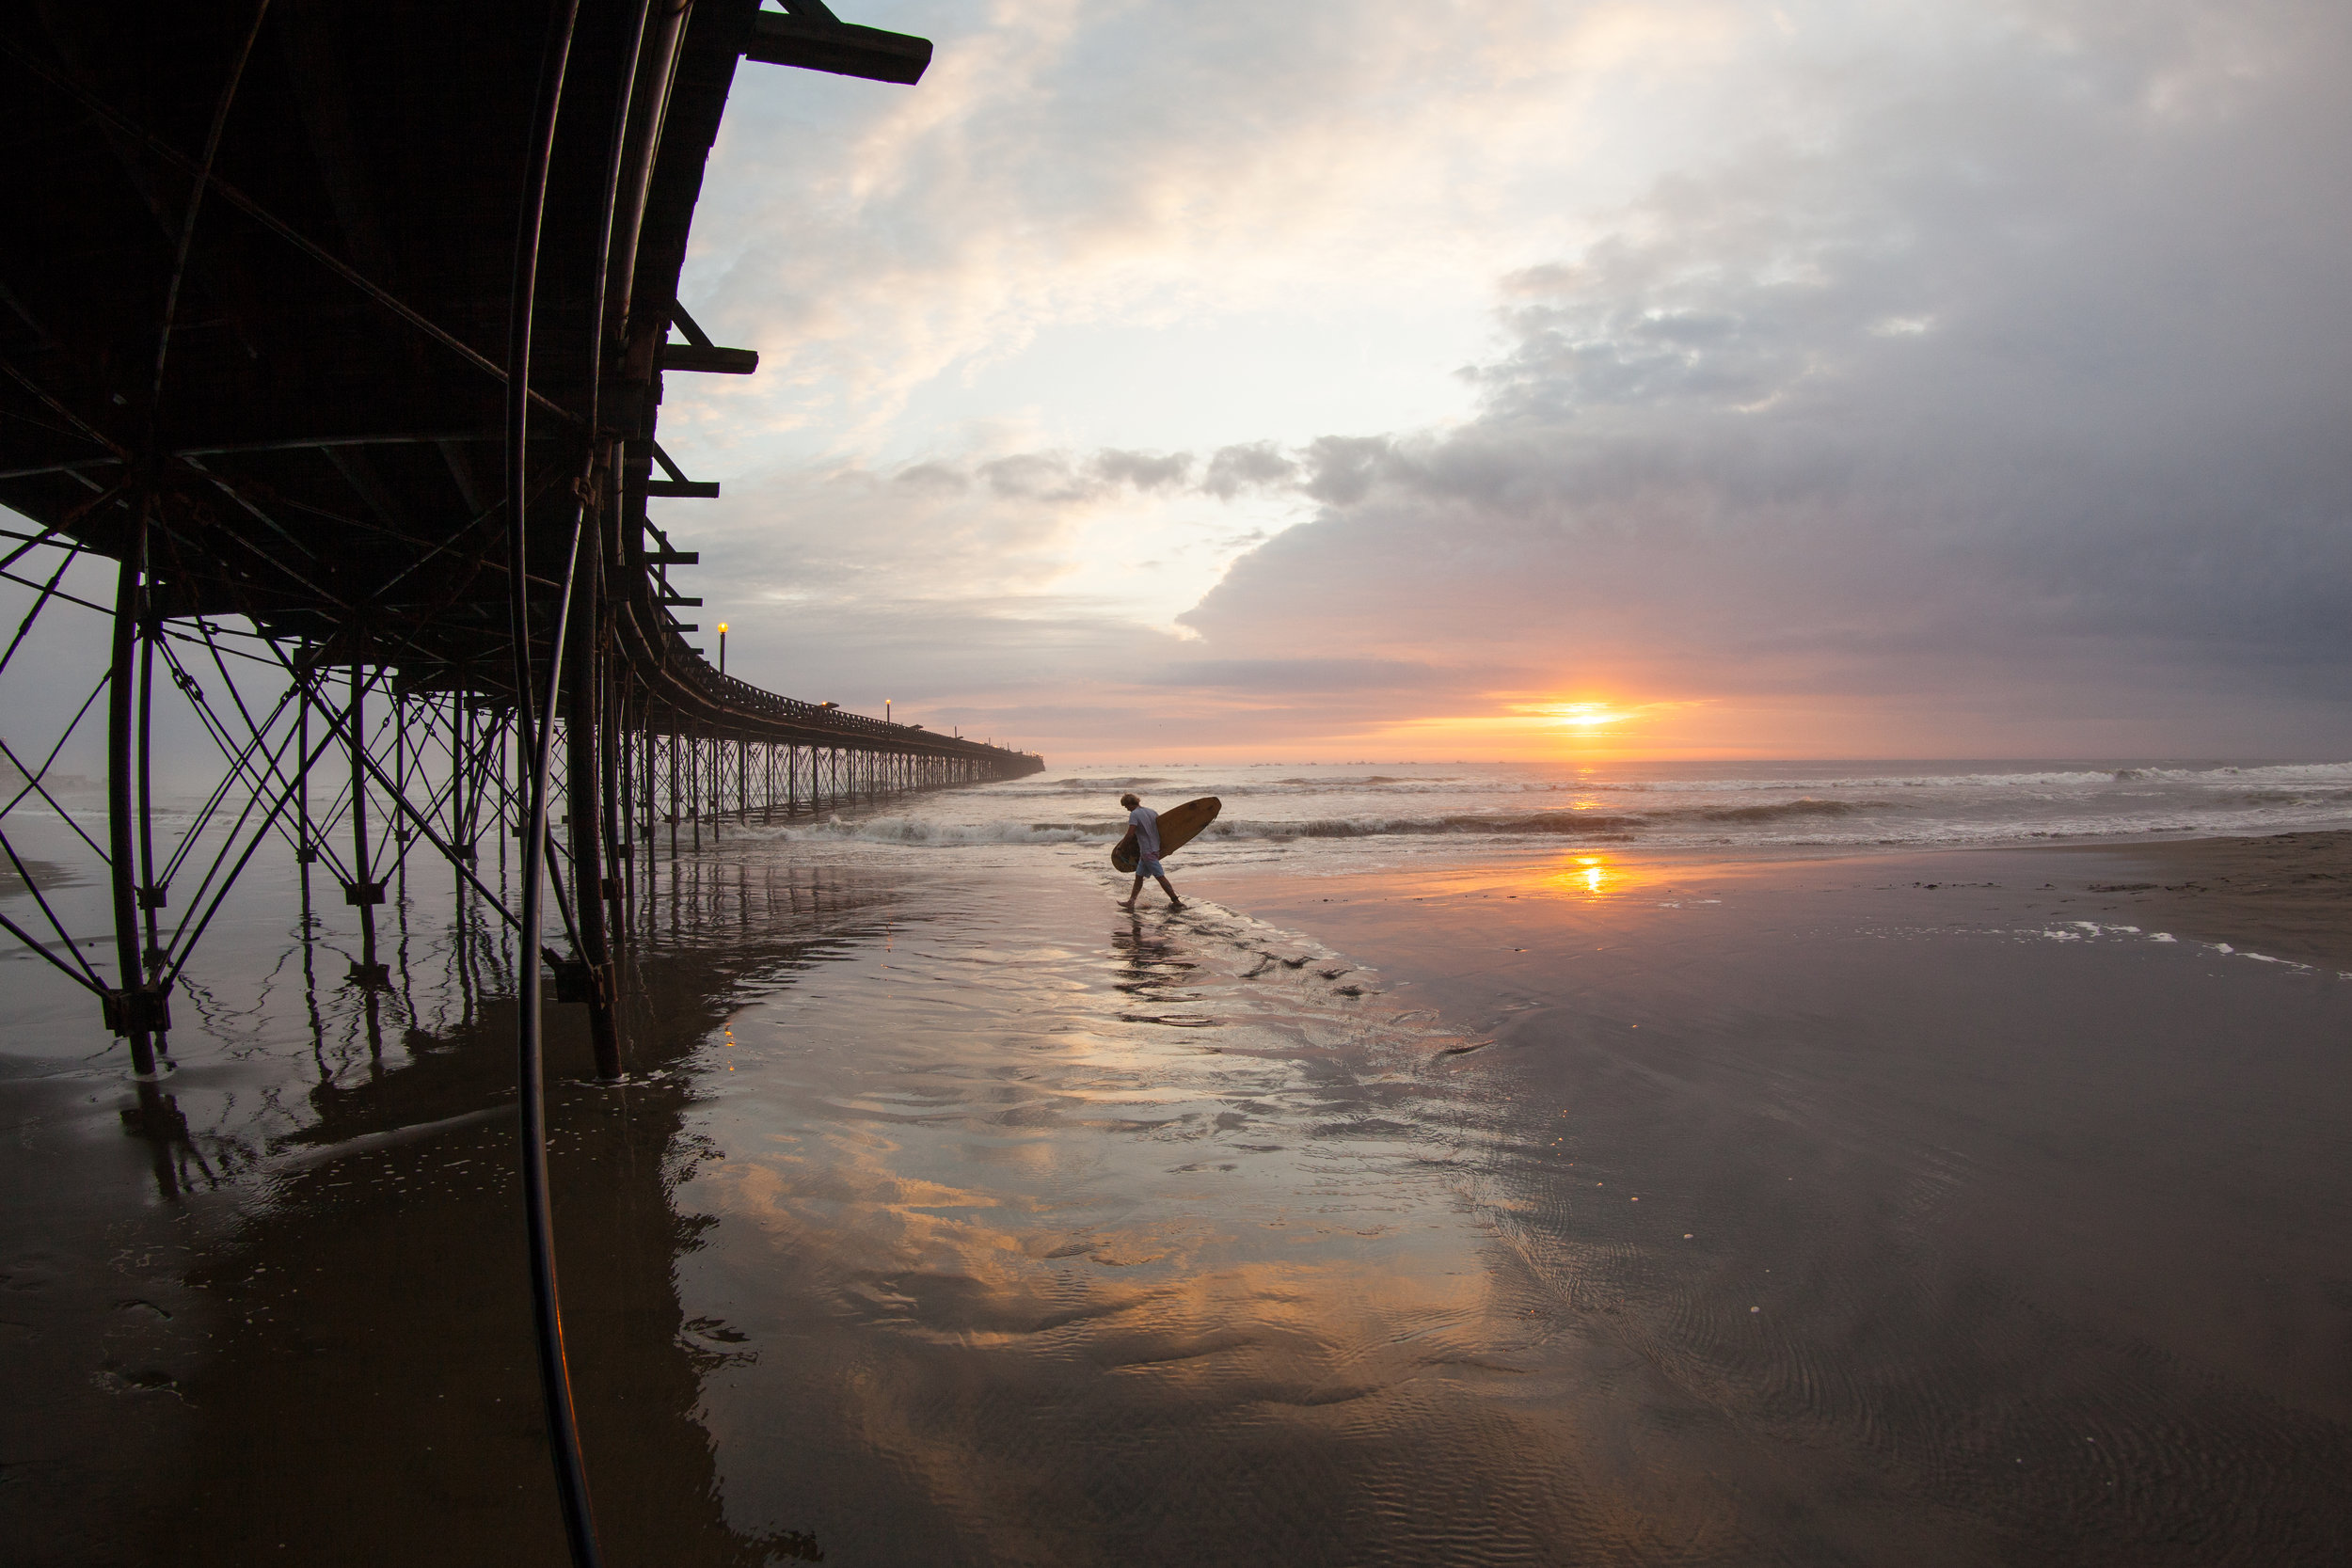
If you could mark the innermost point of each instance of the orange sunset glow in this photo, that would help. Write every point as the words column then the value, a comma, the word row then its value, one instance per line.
column 1536, row 728
column 1583, row 716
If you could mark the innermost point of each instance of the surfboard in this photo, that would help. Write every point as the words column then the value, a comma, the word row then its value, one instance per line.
column 1179, row 826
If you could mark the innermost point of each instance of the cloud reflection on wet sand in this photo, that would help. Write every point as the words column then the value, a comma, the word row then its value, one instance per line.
column 1162, row 1255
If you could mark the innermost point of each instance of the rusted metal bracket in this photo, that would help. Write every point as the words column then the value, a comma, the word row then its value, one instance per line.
column 574, row 978
column 137, row 1009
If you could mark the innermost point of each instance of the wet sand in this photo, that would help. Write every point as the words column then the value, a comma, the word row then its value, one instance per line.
column 2058, row 1258
column 2287, row 894
column 1592, row 1208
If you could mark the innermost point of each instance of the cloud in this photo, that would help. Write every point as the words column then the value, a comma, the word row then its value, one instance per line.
column 1341, row 469
column 1253, row 466
column 1037, row 477
column 1302, row 676
column 1065, row 163
column 1959, row 378
column 1144, row 470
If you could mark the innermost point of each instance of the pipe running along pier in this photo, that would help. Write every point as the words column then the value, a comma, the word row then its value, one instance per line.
column 333, row 341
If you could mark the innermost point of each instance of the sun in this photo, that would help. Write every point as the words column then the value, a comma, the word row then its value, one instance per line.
column 1582, row 717
column 1541, row 725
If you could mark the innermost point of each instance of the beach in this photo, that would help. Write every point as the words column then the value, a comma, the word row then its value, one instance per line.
column 2284, row 893
column 1561, row 1202
column 1736, row 618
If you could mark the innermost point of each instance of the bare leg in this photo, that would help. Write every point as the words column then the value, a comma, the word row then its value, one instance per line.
column 1136, row 892
column 1165, row 884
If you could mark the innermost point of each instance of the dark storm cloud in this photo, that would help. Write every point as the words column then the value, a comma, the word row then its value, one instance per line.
column 2015, row 395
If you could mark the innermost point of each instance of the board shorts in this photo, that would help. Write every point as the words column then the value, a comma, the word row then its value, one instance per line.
column 1149, row 868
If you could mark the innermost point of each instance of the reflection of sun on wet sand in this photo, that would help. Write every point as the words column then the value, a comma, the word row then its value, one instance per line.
column 2287, row 894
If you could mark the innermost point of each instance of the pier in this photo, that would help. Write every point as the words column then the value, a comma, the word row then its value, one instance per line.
column 333, row 344
column 342, row 341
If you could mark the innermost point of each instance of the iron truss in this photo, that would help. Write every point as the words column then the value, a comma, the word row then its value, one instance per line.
column 332, row 344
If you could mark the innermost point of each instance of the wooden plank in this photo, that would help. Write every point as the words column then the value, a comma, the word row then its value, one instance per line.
column 709, row 361
column 839, row 47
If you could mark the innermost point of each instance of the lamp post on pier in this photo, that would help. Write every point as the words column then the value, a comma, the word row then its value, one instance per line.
column 722, row 647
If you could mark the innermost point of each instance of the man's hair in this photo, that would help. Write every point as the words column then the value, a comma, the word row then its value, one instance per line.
column 1129, row 801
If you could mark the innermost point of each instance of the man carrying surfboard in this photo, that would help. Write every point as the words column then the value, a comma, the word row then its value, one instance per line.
column 1143, row 832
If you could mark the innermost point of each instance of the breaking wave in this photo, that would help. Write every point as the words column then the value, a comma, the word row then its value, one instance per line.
column 929, row 831
column 1581, row 823
column 1545, row 824
column 1765, row 804
column 1782, row 811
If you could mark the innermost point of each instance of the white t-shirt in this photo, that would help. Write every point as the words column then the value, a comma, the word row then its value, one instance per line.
column 1147, row 823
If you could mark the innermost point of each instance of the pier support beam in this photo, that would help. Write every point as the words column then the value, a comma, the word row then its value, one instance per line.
column 135, row 1012
column 584, row 776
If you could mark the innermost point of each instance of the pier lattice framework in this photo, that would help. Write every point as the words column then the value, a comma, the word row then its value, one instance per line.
column 333, row 340
column 341, row 335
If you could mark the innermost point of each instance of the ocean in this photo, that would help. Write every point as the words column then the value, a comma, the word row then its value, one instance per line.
column 1422, row 809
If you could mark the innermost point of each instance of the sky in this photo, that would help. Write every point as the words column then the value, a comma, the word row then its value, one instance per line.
column 1407, row 379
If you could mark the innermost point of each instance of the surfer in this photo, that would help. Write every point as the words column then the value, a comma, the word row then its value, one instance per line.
column 1143, row 832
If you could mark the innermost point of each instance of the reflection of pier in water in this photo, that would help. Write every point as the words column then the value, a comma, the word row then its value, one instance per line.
column 387, row 1137
column 703, row 927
